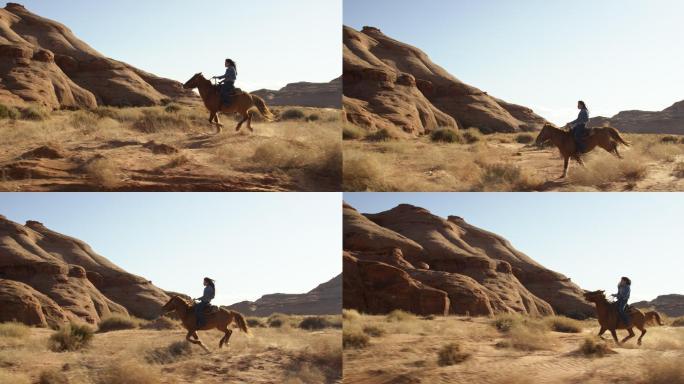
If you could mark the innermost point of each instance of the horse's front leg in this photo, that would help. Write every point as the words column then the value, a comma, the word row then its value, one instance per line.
column 566, row 164
column 198, row 341
column 601, row 332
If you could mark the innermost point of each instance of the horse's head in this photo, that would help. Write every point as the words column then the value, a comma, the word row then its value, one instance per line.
column 194, row 81
column 174, row 303
column 544, row 134
column 595, row 296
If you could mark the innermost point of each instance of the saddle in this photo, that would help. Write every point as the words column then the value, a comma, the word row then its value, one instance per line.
column 208, row 310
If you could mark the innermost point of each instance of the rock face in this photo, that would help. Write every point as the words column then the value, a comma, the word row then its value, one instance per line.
column 325, row 299
column 394, row 86
column 667, row 121
column 43, row 62
column 671, row 305
column 317, row 95
column 391, row 256
column 47, row 278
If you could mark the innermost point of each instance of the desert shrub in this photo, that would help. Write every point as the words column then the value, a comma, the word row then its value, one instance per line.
column 352, row 132
column 399, row 315
column 313, row 117
column 292, row 114
column 14, row 329
column 505, row 177
column 178, row 161
column 172, row 108
column 592, row 346
column 34, row 113
column 152, row 121
column 84, row 120
column 524, row 138
column 102, row 172
column 116, row 323
column 161, row 323
column 70, row 337
column 373, row 331
column 7, row 112
column 276, row 155
column 278, row 320
column 563, row 324
column 128, row 372
column 669, row 139
column 350, row 314
column 678, row 170
column 471, row 135
column 678, row 322
column 13, row 378
column 380, row 135
column 663, row 371
column 451, row 354
column 169, row 354
column 362, row 173
column 255, row 322
column 122, row 115
column 355, row 338
column 52, row 376
column 529, row 339
column 315, row 322
column 446, row 135
column 320, row 362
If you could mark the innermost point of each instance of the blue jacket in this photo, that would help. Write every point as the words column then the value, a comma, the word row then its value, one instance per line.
column 623, row 292
column 582, row 118
column 208, row 294
column 230, row 76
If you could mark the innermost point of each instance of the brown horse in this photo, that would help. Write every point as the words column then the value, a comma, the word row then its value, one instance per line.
column 607, row 138
column 242, row 103
column 653, row 318
column 219, row 320
column 609, row 320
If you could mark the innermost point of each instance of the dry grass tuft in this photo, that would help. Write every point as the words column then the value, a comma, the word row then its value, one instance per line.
column 678, row 322
column 529, row 339
column 161, row 324
column 153, row 121
column 664, row 371
column 506, row 177
column 351, row 314
column 292, row 114
column 451, row 354
column 256, row 322
column 353, row 337
column 34, row 113
column 524, row 138
column 103, row 172
column 71, row 337
column 363, row 173
column 374, row 331
column 128, row 372
column 352, row 132
column 563, row 324
column 14, row 329
column 170, row 354
column 52, row 376
column 380, row 135
column 678, row 170
column 446, row 135
column 399, row 315
column 117, row 323
column 7, row 112
column 7, row 377
column 593, row 347
column 312, row 323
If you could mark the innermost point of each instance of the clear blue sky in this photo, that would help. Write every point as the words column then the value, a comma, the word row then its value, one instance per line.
column 251, row 243
column 614, row 54
column 593, row 238
column 274, row 42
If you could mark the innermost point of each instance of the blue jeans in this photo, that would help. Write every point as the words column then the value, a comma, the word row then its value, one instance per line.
column 227, row 89
column 199, row 313
column 622, row 311
column 578, row 132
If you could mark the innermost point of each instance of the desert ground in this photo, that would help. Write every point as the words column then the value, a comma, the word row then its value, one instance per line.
column 167, row 148
column 279, row 352
column 507, row 349
column 470, row 161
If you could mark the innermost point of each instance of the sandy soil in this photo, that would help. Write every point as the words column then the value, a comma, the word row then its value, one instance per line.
column 499, row 163
column 408, row 353
column 273, row 355
column 149, row 149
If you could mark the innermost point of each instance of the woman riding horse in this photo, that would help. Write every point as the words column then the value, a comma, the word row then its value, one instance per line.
column 579, row 127
column 204, row 301
column 228, row 80
column 624, row 289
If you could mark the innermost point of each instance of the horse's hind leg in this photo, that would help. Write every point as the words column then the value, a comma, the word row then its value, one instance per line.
column 225, row 340
column 601, row 332
column 612, row 332
column 631, row 334
column 643, row 332
column 244, row 118
column 566, row 164
column 249, row 121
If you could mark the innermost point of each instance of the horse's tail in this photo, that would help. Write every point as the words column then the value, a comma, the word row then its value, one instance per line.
column 241, row 323
column 657, row 317
column 263, row 109
column 615, row 134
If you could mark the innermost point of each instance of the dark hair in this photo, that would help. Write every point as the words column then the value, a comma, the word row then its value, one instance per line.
column 584, row 105
column 210, row 282
column 627, row 280
column 232, row 63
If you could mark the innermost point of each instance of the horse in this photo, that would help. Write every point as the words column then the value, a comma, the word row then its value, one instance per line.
column 607, row 138
column 219, row 320
column 241, row 103
column 609, row 320
column 653, row 317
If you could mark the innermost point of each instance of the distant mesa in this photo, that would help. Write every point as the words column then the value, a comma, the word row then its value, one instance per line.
column 43, row 62
column 305, row 94
column 47, row 278
column 671, row 305
column 326, row 299
column 667, row 121
column 408, row 258
column 395, row 86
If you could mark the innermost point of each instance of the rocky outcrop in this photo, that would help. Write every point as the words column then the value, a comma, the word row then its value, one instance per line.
column 667, row 121
column 47, row 278
column 395, row 86
column 671, row 305
column 43, row 62
column 480, row 272
column 304, row 94
column 325, row 299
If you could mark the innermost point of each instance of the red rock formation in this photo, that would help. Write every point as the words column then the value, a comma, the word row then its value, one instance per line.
column 671, row 305
column 395, row 86
column 668, row 121
column 43, row 62
column 304, row 94
column 325, row 299
column 481, row 272
column 62, row 278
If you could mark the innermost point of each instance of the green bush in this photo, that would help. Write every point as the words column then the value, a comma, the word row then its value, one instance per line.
column 71, row 337
column 9, row 112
